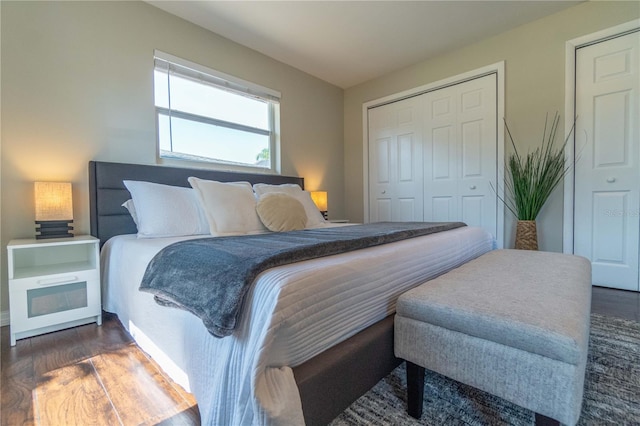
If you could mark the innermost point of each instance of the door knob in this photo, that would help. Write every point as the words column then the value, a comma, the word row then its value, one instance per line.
column 472, row 187
column 611, row 179
column 384, row 192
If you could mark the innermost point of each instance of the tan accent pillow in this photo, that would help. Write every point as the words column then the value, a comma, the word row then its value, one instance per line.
column 281, row 212
column 314, row 217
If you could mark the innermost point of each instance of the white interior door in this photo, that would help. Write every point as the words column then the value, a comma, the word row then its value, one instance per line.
column 460, row 153
column 432, row 157
column 607, row 173
column 395, row 162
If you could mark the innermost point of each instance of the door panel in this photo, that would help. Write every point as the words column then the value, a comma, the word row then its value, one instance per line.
column 406, row 208
column 461, row 139
column 441, row 108
column 395, row 162
column 472, row 209
column 406, row 145
column 607, row 173
column 609, row 227
column 471, row 100
column 382, row 153
column 471, row 149
column 613, row 65
column 443, row 209
column 611, row 123
column 382, row 209
column 443, row 162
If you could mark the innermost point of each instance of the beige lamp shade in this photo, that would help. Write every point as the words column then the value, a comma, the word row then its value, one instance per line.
column 53, row 201
column 320, row 200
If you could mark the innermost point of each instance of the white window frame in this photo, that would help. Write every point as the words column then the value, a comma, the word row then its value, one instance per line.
column 232, row 84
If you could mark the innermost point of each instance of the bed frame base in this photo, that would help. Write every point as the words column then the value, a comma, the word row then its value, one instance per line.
column 334, row 379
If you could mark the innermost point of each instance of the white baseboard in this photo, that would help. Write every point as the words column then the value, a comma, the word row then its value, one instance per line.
column 4, row 318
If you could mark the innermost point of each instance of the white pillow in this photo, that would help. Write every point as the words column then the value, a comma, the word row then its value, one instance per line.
column 165, row 210
column 230, row 207
column 131, row 208
column 314, row 217
column 281, row 212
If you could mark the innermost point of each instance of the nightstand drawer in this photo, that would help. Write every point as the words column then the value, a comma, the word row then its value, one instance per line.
column 38, row 305
column 52, row 280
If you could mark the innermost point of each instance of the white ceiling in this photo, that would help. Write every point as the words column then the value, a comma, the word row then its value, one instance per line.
column 350, row 42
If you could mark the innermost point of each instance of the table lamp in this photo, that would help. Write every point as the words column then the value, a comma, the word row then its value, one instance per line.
column 54, row 209
column 320, row 200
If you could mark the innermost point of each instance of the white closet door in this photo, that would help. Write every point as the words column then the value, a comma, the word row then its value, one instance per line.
column 460, row 153
column 395, row 162
column 607, row 174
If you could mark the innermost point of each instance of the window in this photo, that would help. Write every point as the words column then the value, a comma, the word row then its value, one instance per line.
column 204, row 115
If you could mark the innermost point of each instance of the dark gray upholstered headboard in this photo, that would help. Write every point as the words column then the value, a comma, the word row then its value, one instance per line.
column 107, row 192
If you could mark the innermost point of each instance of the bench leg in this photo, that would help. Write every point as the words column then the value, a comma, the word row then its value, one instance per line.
column 546, row 421
column 415, row 389
column 415, row 394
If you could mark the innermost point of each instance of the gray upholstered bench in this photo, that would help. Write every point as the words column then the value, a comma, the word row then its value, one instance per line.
column 512, row 323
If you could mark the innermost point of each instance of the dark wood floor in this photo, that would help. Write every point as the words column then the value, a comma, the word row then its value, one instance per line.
column 618, row 303
column 88, row 375
column 97, row 375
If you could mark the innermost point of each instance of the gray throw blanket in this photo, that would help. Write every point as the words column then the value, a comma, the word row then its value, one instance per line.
column 209, row 277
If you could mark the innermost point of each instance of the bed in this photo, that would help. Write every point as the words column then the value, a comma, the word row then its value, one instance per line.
column 313, row 336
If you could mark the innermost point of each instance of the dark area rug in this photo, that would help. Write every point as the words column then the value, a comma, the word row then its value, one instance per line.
column 611, row 397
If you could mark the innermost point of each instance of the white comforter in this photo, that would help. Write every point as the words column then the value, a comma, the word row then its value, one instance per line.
column 291, row 314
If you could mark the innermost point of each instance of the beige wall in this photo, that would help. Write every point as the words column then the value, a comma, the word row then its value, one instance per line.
column 76, row 81
column 77, row 85
column 534, row 56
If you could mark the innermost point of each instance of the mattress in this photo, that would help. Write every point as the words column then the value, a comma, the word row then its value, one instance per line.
column 291, row 314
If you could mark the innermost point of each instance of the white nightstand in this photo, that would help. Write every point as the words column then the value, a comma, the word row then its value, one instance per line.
column 53, row 284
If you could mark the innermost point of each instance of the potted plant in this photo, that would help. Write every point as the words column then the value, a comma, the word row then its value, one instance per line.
column 531, row 179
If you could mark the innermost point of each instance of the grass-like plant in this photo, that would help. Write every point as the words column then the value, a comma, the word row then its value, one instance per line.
column 531, row 180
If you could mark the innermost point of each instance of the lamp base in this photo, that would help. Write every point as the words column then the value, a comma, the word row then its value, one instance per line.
column 53, row 229
column 325, row 214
